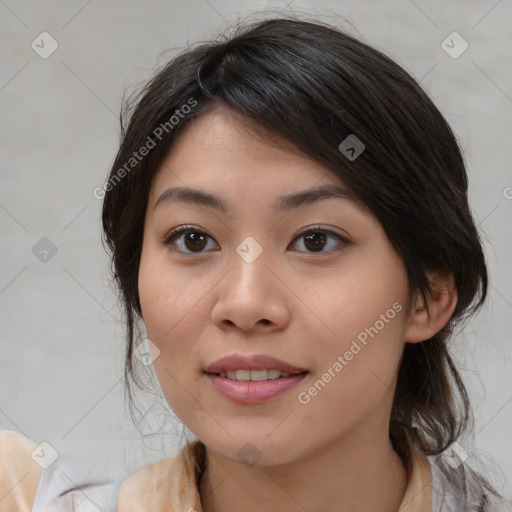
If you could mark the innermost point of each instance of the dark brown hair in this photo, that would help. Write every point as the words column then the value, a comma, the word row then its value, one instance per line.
column 312, row 85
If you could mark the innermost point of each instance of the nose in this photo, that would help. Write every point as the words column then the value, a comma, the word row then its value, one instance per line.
column 251, row 297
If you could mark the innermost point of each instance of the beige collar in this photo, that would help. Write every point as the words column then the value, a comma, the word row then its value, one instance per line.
column 171, row 485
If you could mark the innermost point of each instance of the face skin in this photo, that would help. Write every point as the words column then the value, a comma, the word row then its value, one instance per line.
column 301, row 306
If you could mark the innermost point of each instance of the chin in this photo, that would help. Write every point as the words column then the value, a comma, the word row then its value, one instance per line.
column 257, row 450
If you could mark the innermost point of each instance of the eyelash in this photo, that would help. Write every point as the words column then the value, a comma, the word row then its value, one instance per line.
column 175, row 233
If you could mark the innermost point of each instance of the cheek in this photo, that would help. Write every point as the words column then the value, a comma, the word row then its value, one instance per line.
column 169, row 297
column 368, row 298
column 354, row 374
column 358, row 355
column 171, row 312
column 170, row 303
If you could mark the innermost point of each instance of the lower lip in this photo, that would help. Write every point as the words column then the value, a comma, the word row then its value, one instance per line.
column 253, row 392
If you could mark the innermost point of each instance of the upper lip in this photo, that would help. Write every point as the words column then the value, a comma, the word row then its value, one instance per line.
column 254, row 362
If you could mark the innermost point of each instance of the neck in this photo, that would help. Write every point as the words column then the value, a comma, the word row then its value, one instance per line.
column 349, row 475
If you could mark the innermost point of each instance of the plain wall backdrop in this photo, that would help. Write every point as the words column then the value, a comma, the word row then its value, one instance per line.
column 62, row 345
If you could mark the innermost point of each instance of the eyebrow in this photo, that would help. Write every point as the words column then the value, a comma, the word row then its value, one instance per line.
column 283, row 203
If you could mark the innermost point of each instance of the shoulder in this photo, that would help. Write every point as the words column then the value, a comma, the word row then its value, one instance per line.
column 19, row 473
column 69, row 485
column 30, row 481
column 169, row 484
column 147, row 488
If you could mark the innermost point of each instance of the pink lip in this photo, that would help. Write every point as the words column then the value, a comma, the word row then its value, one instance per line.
column 255, row 362
column 253, row 392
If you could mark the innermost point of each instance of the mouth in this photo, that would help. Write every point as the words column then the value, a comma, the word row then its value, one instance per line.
column 253, row 379
column 255, row 375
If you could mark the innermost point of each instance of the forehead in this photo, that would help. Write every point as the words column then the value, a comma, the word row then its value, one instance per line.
column 224, row 151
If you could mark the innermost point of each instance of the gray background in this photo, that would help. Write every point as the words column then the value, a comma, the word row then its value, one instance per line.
column 61, row 340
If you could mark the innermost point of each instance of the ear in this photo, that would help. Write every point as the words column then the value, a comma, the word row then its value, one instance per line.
column 441, row 303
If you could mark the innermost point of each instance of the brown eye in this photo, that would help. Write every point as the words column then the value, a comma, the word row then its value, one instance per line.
column 194, row 240
column 316, row 239
column 187, row 239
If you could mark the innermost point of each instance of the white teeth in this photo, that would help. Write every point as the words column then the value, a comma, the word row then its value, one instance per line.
column 243, row 375
column 254, row 375
column 258, row 374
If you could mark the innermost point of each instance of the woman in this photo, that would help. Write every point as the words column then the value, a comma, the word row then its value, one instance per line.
column 288, row 216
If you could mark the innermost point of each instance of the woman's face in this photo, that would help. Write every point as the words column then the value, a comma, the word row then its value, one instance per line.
column 314, row 284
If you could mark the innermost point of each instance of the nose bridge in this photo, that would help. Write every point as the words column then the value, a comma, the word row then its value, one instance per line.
column 250, row 270
column 250, row 250
column 250, row 293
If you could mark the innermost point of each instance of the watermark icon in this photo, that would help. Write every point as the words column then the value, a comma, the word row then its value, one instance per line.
column 305, row 397
column 249, row 249
column 146, row 352
column 44, row 250
column 145, row 149
column 351, row 147
column 455, row 455
column 454, row 45
column 249, row 455
column 507, row 192
column 44, row 45
column 44, row 455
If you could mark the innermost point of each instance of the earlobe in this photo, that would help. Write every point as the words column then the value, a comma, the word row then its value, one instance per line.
column 441, row 304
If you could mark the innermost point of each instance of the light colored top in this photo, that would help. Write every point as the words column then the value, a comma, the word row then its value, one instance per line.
column 169, row 485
